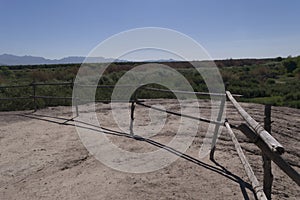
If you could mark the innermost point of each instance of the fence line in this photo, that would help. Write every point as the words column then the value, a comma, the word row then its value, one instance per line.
column 273, row 144
column 51, row 97
column 254, row 182
column 62, row 83
column 275, row 157
column 14, row 86
column 106, row 86
column 190, row 92
column 15, row 98
column 269, row 146
column 217, row 128
column 181, row 115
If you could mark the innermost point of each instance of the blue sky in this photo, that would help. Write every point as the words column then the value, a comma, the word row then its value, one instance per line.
column 225, row 28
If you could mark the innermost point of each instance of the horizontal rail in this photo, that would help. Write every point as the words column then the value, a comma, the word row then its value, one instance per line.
column 86, row 100
column 106, row 86
column 70, row 98
column 276, row 158
column 189, row 92
column 109, row 101
column 64, row 83
column 50, row 97
column 182, row 115
column 184, row 92
column 273, row 144
column 35, row 84
column 13, row 86
column 67, row 83
column 15, row 98
column 254, row 182
column 113, row 86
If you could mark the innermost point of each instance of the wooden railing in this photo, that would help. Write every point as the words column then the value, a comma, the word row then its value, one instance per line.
column 270, row 147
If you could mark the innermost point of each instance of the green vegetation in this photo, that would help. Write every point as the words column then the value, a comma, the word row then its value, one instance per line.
column 275, row 83
column 272, row 81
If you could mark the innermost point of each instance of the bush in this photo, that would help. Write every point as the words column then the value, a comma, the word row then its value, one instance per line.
column 41, row 76
column 292, row 96
column 297, row 73
column 271, row 81
column 290, row 65
column 6, row 72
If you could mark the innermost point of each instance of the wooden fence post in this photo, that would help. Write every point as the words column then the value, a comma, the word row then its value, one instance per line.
column 274, row 156
column 34, row 95
column 217, row 127
column 75, row 100
column 132, row 117
column 254, row 182
column 267, row 163
column 272, row 143
column 134, row 100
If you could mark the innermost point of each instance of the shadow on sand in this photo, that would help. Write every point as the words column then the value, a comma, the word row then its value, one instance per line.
column 218, row 168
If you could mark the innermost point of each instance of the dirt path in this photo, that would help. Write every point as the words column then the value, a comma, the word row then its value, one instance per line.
column 42, row 157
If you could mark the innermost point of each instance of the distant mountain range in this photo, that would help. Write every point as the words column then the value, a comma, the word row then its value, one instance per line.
column 8, row 59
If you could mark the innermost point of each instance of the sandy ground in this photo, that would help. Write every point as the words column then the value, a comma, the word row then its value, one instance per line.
column 42, row 157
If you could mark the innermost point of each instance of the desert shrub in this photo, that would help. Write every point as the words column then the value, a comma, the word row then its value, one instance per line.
column 297, row 73
column 270, row 81
column 261, row 73
column 292, row 96
column 228, row 76
column 6, row 72
column 41, row 76
column 2, row 79
column 290, row 65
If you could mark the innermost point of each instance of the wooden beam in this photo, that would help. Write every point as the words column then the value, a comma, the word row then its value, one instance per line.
column 267, row 163
column 107, row 86
column 189, row 92
column 34, row 97
column 217, row 128
column 254, row 182
column 179, row 114
column 62, row 83
column 15, row 98
column 51, row 97
column 273, row 144
column 132, row 118
column 13, row 86
column 275, row 157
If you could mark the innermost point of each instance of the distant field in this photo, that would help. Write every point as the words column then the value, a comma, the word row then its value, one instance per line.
column 273, row 81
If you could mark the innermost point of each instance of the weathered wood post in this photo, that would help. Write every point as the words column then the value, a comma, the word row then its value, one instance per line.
column 274, row 156
column 132, row 117
column 133, row 101
column 75, row 100
column 273, row 144
column 34, row 95
column 76, row 106
column 217, row 127
column 254, row 182
column 267, row 164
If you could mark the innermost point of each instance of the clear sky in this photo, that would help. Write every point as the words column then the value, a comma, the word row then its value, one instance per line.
column 226, row 28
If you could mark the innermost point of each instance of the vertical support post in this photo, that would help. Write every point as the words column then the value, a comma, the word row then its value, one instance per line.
column 217, row 127
column 76, row 106
column 267, row 163
column 132, row 118
column 34, row 95
column 75, row 100
column 133, row 101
